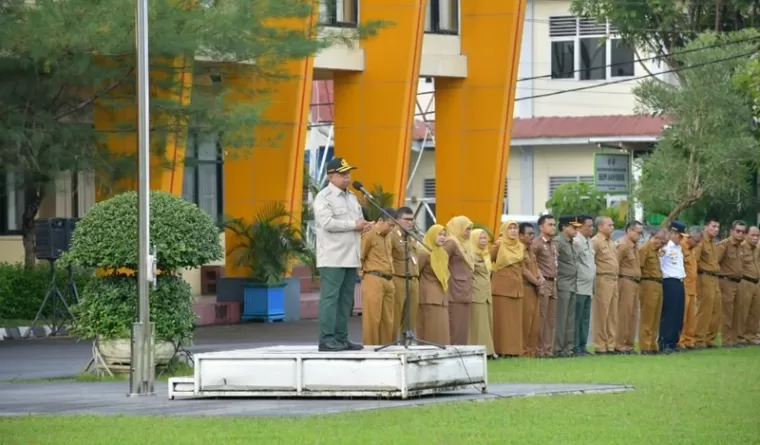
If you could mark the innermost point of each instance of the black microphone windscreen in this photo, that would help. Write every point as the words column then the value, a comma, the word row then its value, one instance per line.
column 357, row 185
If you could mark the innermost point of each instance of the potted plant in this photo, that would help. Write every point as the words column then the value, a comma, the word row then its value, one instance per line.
column 266, row 248
column 106, row 239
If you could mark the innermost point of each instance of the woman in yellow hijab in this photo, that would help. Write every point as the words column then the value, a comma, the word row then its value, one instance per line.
column 481, row 312
column 508, row 255
column 461, row 268
column 433, row 315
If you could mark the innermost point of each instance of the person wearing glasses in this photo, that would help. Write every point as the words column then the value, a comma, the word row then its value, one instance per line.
column 729, row 253
column 405, row 217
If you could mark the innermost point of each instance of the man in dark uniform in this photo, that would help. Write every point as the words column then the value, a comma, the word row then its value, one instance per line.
column 567, row 279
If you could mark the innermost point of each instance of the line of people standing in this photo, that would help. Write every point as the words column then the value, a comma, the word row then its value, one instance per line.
column 528, row 295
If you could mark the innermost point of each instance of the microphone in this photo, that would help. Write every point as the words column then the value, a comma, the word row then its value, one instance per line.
column 360, row 187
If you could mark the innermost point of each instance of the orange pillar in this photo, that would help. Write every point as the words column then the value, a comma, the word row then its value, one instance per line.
column 374, row 109
column 474, row 115
column 115, row 115
column 271, row 170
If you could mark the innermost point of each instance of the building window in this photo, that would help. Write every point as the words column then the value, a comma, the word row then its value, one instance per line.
column 340, row 13
column 203, row 179
column 11, row 203
column 583, row 49
column 442, row 17
column 556, row 181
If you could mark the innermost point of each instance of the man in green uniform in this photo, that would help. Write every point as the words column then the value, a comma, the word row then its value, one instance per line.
column 567, row 276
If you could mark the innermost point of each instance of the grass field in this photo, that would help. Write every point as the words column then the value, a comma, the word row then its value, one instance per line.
column 708, row 397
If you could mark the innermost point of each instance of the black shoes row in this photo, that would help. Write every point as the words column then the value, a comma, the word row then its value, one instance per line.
column 336, row 346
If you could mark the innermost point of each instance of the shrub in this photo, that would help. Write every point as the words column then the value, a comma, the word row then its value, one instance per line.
column 23, row 290
column 109, row 305
column 184, row 235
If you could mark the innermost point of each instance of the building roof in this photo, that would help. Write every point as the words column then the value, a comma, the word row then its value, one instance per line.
column 549, row 127
column 575, row 127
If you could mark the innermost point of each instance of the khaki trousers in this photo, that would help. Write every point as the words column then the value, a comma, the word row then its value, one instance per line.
column 650, row 296
column 547, row 306
column 531, row 321
column 628, row 301
column 399, row 302
column 707, row 305
column 378, row 310
column 689, row 321
column 750, row 323
column 733, row 306
column 604, row 313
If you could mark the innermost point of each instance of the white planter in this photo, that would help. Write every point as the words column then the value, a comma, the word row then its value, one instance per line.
column 117, row 353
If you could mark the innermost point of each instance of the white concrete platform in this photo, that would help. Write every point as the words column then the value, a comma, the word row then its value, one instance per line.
column 302, row 371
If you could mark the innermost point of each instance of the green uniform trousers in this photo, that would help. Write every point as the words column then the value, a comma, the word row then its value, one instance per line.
column 336, row 301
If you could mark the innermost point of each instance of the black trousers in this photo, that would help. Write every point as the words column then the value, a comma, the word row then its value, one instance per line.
column 671, row 319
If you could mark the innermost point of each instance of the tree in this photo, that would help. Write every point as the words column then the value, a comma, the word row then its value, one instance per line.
column 709, row 151
column 577, row 198
column 664, row 27
column 51, row 80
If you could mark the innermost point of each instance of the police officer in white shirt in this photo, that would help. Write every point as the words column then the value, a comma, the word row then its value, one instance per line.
column 673, row 274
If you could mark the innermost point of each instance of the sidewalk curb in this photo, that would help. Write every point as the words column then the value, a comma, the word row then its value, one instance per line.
column 20, row 332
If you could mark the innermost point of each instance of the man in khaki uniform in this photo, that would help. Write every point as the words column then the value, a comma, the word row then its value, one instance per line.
column 650, row 291
column 604, row 305
column 751, row 287
column 708, row 298
column 729, row 253
column 689, row 245
column 405, row 216
column 378, row 291
column 545, row 251
column 628, row 287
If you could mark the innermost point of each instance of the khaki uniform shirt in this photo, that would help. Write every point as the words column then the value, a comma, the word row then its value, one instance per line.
column 750, row 261
column 690, row 264
column 376, row 253
column 707, row 258
column 545, row 251
column 729, row 258
column 338, row 241
column 649, row 258
column 605, row 256
column 399, row 254
column 628, row 259
column 584, row 259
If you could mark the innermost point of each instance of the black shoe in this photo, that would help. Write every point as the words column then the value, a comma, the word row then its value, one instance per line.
column 351, row 346
column 332, row 346
column 669, row 351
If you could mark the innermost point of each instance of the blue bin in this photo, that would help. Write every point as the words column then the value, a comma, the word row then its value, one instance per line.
column 263, row 302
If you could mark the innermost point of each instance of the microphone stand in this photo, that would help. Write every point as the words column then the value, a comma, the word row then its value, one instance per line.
column 408, row 338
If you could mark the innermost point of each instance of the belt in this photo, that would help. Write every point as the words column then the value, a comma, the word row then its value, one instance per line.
column 609, row 276
column 411, row 277
column 549, row 278
column 751, row 280
column 380, row 274
column 656, row 280
column 673, row 278
column 708, row 273
column 628, row 277
column 731, row 279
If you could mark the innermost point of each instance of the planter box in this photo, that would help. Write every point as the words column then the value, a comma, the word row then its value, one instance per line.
column 262, row 302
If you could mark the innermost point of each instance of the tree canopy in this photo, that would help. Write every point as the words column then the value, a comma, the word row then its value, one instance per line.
column 709, row 151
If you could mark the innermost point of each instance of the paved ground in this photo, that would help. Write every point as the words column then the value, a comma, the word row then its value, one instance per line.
column 65, row 357
column 109, row 398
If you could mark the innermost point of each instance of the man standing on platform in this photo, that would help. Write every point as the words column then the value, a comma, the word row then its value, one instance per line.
column 708, row 297
column 673, row 274
column 584, row 259
column 729, row 257
column 405, row 217
column 690, row 247
column 378, row 291
column 545, row 250
column 751, row 287
column 567, row 278
column 650, row 291
column 339, row 221
column 628, row 287
column 605, row 302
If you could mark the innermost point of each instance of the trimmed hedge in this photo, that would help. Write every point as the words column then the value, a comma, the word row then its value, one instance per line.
column 22, row 290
